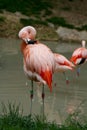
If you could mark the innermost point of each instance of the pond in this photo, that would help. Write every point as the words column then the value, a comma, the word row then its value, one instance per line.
column 15, row 87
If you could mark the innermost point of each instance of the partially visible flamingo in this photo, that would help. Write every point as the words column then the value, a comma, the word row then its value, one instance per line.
column 63, row 64
column 79, row 56
column 39, row 61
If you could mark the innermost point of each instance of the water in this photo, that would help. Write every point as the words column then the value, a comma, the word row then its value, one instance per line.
column 15, row 87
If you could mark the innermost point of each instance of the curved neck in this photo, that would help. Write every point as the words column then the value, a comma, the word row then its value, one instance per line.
column 23, row 46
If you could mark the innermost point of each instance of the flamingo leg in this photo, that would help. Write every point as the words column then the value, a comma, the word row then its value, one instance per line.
column 43, row 96
column 66, row 78
column 78, row 71
column 31, row 96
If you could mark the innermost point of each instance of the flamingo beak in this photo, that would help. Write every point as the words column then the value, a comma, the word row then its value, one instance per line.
column 26, row 40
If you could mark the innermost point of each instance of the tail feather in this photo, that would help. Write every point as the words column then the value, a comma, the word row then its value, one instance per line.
column 47, row 76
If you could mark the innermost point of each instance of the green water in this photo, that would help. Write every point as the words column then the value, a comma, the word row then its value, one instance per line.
column 15, row 87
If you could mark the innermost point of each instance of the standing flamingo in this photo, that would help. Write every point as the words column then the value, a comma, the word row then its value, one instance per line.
column 63, row 64
column 79, row 56
column 39, row 61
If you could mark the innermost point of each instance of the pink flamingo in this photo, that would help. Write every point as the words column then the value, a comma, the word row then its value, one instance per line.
column 79, row 56
column 39, row 61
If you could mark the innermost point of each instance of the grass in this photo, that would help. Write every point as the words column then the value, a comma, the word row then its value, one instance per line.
column 32, row 22
column 12, row 119
column 60, row 21
column 2, row 19
column 26, row 7
column 57, row 21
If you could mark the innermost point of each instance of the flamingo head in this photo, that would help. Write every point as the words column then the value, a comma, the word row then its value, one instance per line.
column 27, row 34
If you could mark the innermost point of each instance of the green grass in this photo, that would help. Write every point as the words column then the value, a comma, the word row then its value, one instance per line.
column 26, row 7
column 60, row 21
column 57, row 21
column 12, row 119
column 2, row 19
column 32, row 22
column 66, row 8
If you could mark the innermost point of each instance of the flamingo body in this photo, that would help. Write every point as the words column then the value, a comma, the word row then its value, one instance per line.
column 39, row 61
column 79, row 56
column 62, row 63
column 37, row 65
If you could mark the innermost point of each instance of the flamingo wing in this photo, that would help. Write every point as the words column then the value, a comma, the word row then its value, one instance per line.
column 62, row 63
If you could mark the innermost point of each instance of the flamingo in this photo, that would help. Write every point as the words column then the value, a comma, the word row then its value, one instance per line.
column 79, row 56
column 63, row 64
column 38, row 60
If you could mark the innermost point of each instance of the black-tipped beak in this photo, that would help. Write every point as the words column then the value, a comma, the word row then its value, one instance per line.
column 29, row 41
